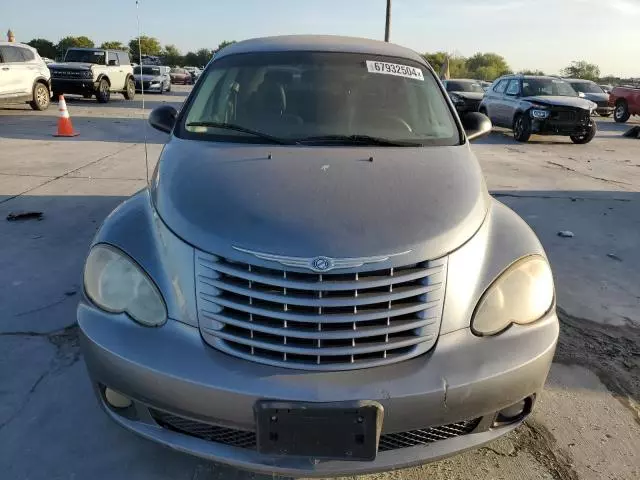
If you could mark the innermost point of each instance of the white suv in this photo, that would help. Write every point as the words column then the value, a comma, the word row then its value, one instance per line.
column 24, row 77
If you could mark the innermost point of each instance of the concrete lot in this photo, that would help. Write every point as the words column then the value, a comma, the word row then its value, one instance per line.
column 587, row 422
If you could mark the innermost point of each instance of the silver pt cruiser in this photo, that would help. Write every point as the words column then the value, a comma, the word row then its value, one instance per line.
column 316, row 281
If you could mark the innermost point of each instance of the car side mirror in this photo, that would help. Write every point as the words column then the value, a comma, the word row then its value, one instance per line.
column 476, row 125
column 581, row 94
column 163, row 118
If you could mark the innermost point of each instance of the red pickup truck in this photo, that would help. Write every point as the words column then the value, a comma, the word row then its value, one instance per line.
column 626, row 101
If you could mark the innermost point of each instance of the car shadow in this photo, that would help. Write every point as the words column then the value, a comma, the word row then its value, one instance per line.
column 501, row 136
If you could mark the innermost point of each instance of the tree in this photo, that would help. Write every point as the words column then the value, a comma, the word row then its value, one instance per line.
column 457, row 65
column 191, row 59
column 70, row 42
column 204, row 55
column 582, row 69
column 532, row 72
column 44, row 47
column 487, row 66
column 148, row 45
column 171, row 56
column 225, row 43
column 114, row 45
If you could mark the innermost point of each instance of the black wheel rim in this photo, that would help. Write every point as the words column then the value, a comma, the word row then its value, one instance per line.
column 519, row 127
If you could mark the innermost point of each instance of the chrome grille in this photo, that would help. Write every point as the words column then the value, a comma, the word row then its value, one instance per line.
column 246, row 439
column 312, row 321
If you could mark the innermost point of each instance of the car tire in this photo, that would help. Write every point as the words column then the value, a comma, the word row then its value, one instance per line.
column 41, row 97
column 522, row 128
column 621, row 114
column 169, row 87
column 587, row 137
column 103, row 94
column 130, row 89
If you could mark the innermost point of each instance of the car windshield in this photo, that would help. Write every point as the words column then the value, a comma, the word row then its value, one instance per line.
column 464, row 86
column 547, row 87
column 302, row 97
column 586, row 87
column 146, row 70
column 86, row 56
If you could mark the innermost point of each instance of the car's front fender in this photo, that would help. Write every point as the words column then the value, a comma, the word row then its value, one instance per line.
column 503, row 238
column 135, row 228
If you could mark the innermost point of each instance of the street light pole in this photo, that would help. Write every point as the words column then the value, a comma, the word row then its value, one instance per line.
column 387, row 28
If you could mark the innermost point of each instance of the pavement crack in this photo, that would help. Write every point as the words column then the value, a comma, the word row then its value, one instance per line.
column 38, row 309
column 540, row 443
column 53, row 179
column 612, row 353
column 602, row 179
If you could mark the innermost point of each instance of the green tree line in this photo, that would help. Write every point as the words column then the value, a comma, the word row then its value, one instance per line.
column 169, row 54
column 481, row 66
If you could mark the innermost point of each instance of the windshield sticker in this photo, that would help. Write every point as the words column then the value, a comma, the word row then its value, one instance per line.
column 394, row 69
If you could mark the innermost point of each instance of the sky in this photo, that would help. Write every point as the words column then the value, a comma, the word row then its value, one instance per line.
column 532, row 34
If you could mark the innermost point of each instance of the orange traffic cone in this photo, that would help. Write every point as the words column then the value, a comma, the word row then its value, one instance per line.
column 65, row 129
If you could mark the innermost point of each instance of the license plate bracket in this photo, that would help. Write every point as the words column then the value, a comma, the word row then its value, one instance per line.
column 335, row 431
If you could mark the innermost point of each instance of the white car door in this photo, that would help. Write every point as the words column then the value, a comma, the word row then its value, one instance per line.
column 115, row 71
column 12, row 72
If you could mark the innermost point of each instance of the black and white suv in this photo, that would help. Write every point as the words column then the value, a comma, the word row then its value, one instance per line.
column 94, row 71
column 539, row 105
column 24, row 77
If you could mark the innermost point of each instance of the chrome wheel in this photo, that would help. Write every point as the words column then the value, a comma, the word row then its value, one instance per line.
column 42, row 96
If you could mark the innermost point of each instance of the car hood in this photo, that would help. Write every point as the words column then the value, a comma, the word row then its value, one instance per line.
column 308, row 201
column 597, row 97
column 470, row 95
column 560, row 101
column 70, row 66
column 148, row 78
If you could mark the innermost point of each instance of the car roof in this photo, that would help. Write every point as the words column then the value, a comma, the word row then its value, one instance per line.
column 464, row 80
column 319, row 43
column 578, row 80
column 17, row 44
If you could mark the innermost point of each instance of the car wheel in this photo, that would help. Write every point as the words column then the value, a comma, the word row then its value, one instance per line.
column 168, row 87
column 621, row 113
column 587, row 137
column 41, row 98
column 103, row 95
column 522, row 128
column 130, row 90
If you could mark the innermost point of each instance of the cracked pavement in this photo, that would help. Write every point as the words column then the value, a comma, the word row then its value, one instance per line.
column 586, row 425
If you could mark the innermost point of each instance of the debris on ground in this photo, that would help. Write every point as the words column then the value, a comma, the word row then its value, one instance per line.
column 14, row 217
column 614, row 257
column 633, row 132
column 566, row 234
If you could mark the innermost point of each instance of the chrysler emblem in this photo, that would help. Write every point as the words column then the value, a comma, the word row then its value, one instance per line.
column 320, row 264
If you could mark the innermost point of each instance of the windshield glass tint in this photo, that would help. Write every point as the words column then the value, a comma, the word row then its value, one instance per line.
column 299, row 95
column 547, row 87
column 147, row 70
column 458, row 86
column 86, row 56
column 586, row 87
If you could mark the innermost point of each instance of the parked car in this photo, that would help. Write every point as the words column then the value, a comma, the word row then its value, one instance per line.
column 539, row 105
column 195, row 73
column 94, row 71
column 24, row 77
column 626, row 102
column 152, row 79
column 592, row 91
column 485, row 85
column 180, row 75
column 317, row 281
column 465, row 94
column 606, row 88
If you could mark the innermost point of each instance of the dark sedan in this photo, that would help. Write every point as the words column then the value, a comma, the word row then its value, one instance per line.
column 592, row 91
column 180, row 75
column 465, row 94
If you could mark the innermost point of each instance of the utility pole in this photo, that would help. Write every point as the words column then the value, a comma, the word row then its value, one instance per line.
column 387, row 28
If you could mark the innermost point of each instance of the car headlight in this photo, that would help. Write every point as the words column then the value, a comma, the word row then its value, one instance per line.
column 522, row 294
column 116, row 284
column 88, row 74
column 540, row 114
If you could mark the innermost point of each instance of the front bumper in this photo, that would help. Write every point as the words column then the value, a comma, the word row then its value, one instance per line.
column 73, row 86
column 605, row 110
column 551, row 127
column 171, row 369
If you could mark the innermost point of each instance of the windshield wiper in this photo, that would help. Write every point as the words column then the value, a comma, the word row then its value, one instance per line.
column 239, row 128
column 356, row 140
